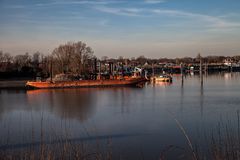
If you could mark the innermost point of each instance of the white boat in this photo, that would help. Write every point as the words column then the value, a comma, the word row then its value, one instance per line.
column 161, row 78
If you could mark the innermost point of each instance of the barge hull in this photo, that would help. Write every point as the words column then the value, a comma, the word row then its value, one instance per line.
column 84, row 83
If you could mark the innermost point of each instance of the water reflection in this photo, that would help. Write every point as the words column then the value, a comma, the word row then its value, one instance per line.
column 66, row 103
column 201, row 98
column 162, row 84
column 227, row 76
column 11, row 100
column 182, row 95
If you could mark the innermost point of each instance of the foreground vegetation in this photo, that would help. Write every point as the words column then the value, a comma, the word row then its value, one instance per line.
column 222, row 143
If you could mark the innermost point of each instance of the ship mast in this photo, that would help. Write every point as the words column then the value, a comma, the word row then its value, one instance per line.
column 51, row 69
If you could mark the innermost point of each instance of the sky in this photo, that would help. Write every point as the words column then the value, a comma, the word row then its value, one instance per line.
column 128, row 28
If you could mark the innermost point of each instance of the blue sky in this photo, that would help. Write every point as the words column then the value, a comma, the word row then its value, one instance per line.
column 154, row 28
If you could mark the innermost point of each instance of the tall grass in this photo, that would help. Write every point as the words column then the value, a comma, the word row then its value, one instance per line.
column 222, row 143
column 53, row 147
column 225, row 141
column 62, row 150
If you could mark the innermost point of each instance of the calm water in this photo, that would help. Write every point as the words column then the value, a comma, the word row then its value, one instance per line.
column 138, row 121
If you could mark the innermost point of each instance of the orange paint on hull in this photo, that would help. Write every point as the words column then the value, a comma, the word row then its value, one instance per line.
column 85, row 83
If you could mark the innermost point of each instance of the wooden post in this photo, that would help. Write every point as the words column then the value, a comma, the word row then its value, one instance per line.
column 122, row 69
column 95, row 69
column 206, row 67
column 110, row 68
column 95, row 65
column 200, row 69
column 153, row 70
column 181, row 67
column 99, row 71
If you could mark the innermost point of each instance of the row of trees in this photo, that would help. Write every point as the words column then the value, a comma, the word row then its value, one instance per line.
column 77, row 58
column 141, row 60
column 9, row 63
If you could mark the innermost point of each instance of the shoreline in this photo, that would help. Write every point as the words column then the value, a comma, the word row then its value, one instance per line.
column 13, row 84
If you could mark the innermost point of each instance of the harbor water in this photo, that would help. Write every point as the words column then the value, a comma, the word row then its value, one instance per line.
column 133, row 122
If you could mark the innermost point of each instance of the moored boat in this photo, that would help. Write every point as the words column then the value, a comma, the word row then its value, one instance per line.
column 131, row 81
column 161, row 78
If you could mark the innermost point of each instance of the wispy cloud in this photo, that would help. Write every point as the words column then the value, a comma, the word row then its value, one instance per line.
column 154, row 1
column 52, row 3
column 76, row 2
column 103, row 22
column 213, row 21
column 119, row 11
column 15, row 6
column 208, row 20
column 85, row 2
column 99, row 2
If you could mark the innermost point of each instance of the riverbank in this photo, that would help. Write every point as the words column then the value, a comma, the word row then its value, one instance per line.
column 12, row 84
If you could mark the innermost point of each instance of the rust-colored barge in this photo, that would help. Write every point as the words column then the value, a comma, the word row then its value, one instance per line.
column 86, row 83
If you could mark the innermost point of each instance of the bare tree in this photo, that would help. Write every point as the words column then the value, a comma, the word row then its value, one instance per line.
column 7, row 58
column 82, row 54
column 104, row 58
column 142, row 59
column 5, row 61
column 22, row 60
column 63, row 55
column 72, row 57
column 36, row 57
column 1, row 56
